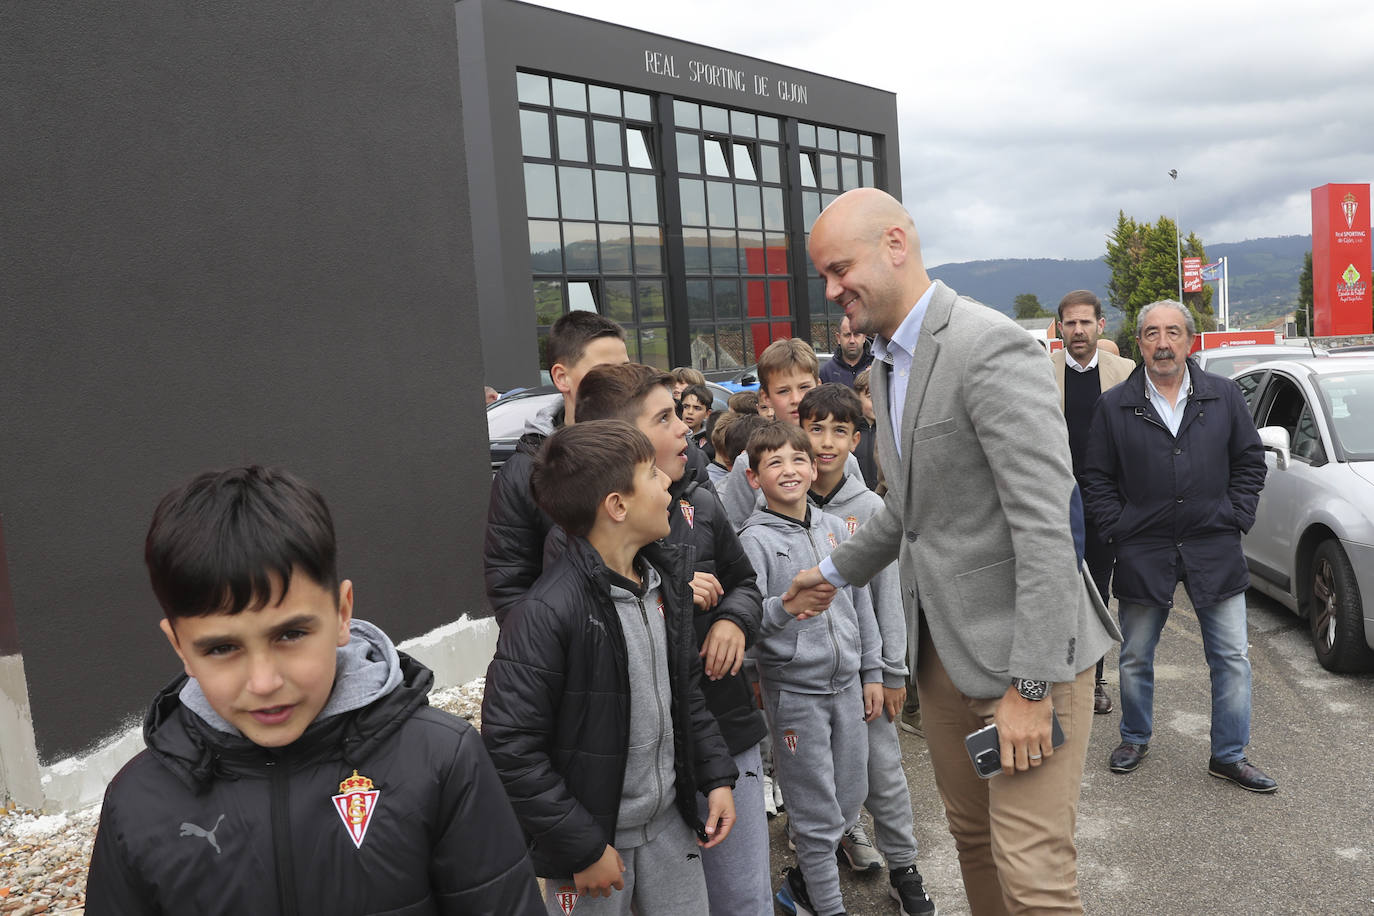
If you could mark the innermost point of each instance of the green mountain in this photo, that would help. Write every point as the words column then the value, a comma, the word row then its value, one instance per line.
column 1264, row 279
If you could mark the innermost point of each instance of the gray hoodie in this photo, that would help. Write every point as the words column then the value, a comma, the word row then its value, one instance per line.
column 854, row 504
column 825, row 653
column 649, row 790
column 547, row 419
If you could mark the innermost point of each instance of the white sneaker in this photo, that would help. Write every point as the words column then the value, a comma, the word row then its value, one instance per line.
column 769, row 805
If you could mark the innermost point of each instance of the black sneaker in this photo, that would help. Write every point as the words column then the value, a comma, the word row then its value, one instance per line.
column 910, row 892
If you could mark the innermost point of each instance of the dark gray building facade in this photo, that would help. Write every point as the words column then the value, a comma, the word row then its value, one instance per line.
column 232, row 234
column 270, row 234
column 665, row 184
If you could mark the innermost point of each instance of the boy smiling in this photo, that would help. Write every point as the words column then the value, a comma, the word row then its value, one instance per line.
column 820, row 669
column 831, row 415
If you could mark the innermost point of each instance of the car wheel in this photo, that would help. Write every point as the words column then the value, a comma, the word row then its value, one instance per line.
column 1336, row 615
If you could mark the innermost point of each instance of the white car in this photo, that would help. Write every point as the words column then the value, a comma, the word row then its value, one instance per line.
column 1312, row 545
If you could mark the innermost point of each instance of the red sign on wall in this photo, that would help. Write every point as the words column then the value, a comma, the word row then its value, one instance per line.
column 1210, row 340
column 1342, row 296
column 1192, row 275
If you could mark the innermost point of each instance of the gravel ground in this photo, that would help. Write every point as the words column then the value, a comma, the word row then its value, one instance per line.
column 43, row 858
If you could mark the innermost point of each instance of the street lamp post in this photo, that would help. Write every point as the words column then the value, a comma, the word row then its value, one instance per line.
column 1178, row 240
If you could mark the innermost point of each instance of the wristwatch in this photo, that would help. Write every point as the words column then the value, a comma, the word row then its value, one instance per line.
column 1032, row 690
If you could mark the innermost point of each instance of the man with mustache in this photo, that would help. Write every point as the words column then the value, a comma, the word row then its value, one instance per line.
column 1173, row 476
column 1083, row 371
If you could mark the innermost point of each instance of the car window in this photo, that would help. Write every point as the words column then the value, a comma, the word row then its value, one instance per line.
column 1230, row 365
column 1250, row 388
column 1350, row 404
column 1289, row 409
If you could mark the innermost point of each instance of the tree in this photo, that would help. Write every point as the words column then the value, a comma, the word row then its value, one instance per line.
column 1143, row 259
column 1124, row 249
column 1304, row 313
column 1028, row 306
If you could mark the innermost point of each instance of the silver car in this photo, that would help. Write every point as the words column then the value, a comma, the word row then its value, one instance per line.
column 1230, row 360
column 1312, row 546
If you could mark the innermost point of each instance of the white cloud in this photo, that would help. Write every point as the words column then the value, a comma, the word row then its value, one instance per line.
column 1024, row 128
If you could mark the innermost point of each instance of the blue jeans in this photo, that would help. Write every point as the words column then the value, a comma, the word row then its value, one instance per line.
column 1225, row 643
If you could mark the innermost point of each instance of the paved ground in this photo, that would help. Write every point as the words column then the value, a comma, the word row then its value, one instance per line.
column 1170, row 839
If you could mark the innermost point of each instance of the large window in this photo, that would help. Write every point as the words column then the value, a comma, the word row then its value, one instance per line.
column 592, row 198
column 832, row 160
column 599, row 237
column 731, row 183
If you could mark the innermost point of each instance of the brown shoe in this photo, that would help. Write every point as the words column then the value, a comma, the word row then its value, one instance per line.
column 1102, row 701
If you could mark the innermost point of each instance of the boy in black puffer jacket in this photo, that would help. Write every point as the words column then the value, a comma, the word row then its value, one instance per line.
column 295, row 767
column 728, row 610
column 593, row 712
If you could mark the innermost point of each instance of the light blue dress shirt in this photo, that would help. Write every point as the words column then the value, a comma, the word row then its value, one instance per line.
column 1172, row 415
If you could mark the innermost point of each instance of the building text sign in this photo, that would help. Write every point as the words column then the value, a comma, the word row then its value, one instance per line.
column 1342, row 297
column 719, row 76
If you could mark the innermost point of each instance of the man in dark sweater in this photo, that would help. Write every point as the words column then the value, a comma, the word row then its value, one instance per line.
column 1083, row 372
column 852, row 356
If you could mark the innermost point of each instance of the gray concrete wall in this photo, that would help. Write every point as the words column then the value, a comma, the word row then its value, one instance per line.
column 232, row 233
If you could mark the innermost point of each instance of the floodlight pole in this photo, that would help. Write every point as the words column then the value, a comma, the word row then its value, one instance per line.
column 1178, row 239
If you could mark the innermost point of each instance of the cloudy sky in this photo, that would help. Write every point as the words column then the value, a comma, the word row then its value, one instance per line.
column 1026, row 127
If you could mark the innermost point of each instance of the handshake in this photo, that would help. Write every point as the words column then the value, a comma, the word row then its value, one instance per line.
column 808, row 595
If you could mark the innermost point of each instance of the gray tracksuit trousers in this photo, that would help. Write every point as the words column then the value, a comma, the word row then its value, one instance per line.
column 820, row 752
column 889, row 797
column 738, row 876
column 811, row 672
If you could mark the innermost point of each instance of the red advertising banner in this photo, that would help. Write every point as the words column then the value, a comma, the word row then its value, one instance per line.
column 1342, row 297
column 1192, row 275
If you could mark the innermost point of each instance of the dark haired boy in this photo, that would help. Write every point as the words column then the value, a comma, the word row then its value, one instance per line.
column 512, row 552
column 787, row 369
column 727, row 608
column 820, row 669
column 593, row 712
column 831, row 416
column 297, row 752
column 716, row 470
column 696, row 402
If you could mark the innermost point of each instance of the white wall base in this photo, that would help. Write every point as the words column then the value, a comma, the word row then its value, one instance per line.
column 18, row 755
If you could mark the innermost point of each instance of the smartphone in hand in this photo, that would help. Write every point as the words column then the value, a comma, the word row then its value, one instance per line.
column 985, row 747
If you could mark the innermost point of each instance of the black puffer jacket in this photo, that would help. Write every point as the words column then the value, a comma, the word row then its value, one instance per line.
column 513, row 550
column 556, row 711
column 205, row 822
column 698, row 519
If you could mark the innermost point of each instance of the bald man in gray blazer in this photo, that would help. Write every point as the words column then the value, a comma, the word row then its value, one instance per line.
column 1006, row 628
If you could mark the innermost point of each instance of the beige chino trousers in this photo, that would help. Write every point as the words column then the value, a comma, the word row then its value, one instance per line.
column 1014, row 833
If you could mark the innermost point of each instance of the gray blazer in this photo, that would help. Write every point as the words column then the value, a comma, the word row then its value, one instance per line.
column 977, row 509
